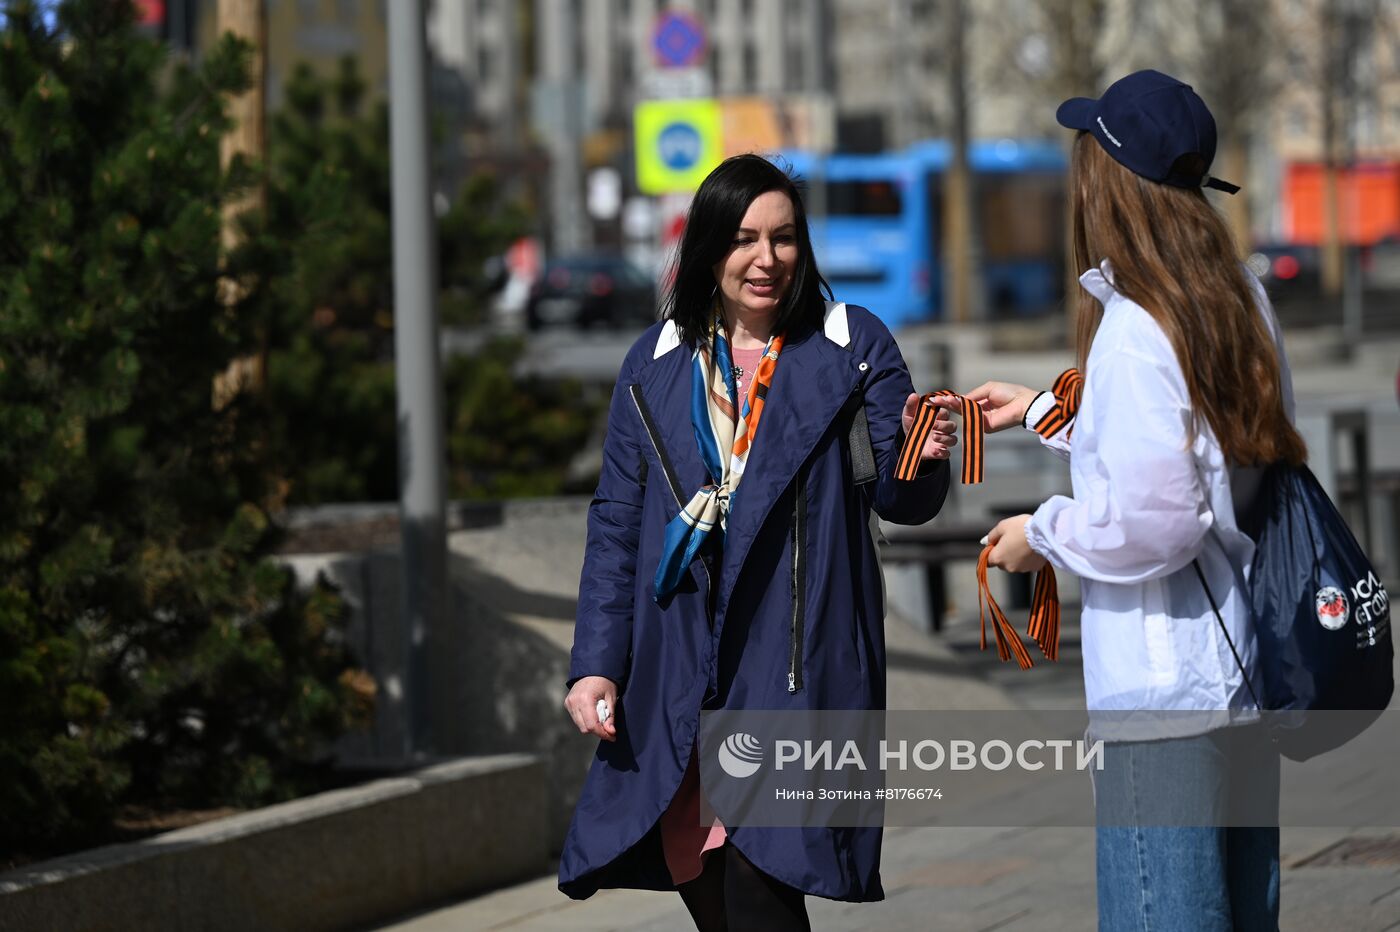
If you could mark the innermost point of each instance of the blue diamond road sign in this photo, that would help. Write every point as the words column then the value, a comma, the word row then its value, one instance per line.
column 678, row 40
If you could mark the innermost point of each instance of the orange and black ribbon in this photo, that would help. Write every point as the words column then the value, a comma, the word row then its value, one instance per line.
column 1068, row 391
column 1044, row 626
column 973, row 429
column 1008, row 642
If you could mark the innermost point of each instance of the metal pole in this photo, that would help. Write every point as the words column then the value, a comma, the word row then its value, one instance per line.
column 422, row 467
column 1351, row 273
column 556, row 24
column 1333, row 124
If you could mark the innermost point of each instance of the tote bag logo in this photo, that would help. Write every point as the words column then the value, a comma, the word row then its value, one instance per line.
column 740, row 755
column 1331, row 608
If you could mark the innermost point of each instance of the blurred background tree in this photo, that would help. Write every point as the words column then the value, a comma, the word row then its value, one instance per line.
column 151, row 651
column 323, row 255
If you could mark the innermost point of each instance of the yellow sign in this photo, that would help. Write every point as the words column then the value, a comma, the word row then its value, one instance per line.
column 678, row 142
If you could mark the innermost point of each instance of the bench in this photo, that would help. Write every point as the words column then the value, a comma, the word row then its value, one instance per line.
column 934, row 545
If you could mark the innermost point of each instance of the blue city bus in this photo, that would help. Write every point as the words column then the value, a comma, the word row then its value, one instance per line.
column 876, row 225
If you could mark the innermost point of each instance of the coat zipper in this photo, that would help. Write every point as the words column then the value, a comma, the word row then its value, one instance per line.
column 799, row 581
column 649, row 425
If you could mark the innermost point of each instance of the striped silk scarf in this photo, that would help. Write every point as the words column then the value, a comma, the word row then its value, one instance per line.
column 725, row 437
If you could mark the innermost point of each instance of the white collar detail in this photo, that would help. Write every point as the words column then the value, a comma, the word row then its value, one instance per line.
column 1099, row 282
column 834, row 325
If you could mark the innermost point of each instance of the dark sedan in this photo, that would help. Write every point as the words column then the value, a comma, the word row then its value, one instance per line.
column 591, row 291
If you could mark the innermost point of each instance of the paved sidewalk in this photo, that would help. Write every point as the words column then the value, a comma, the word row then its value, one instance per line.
column 953, row 879
column 966, row 879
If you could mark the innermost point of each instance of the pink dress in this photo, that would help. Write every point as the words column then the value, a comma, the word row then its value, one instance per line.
column 683, row 838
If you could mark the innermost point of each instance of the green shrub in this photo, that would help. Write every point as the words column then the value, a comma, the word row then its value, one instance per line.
column 150, row 649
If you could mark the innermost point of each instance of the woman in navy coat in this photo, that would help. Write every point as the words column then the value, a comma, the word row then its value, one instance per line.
column 746, row 579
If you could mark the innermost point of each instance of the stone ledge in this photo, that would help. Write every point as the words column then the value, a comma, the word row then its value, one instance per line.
column 330, row 861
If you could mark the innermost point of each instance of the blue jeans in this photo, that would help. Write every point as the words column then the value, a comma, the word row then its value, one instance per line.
column 1188, row 834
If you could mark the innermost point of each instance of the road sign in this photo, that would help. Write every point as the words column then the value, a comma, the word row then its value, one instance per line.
column 678, row 142
column 676, row 83
column 678, row 40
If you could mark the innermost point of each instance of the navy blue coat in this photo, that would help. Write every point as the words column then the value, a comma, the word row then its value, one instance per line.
column 768, row 647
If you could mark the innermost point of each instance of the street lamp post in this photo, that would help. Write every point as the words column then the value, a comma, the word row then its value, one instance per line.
column 422, row 461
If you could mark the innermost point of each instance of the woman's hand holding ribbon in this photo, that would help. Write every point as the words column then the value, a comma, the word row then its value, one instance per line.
column 943, row 437
column 1010, row 549
column 1003, row 404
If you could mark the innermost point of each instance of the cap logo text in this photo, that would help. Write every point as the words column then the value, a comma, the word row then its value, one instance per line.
column 1111, row 137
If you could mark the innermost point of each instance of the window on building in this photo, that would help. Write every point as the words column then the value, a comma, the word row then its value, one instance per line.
column 626, row 68
column 1297, row 120
column 580, row 47
column 792, row 67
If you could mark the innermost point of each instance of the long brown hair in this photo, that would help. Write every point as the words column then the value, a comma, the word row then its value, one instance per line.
column 1173, row 254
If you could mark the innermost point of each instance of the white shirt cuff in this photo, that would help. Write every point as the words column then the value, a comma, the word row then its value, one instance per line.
column 1036, row 538
column 1038, row 409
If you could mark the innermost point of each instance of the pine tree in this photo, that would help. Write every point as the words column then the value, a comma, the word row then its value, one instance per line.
column 150, row 650
column 322, row 254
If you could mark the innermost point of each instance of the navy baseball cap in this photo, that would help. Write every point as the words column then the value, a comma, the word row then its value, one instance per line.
column 1147, row 121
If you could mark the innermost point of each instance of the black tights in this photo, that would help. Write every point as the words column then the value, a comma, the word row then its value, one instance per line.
column 731, row 895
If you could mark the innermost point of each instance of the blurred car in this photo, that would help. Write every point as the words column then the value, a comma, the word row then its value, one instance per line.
column 588, row 291
column 1382, row 265
column 1287, row 267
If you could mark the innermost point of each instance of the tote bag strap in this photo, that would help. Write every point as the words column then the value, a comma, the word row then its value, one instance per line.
column 1196, row 565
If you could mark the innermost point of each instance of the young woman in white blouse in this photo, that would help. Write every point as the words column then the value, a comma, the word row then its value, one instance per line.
column 1186, row 394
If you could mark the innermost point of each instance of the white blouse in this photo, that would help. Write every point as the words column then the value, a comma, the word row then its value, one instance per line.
column 1147, row 501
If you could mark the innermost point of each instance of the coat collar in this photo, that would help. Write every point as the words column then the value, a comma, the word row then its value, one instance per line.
column 813, row 380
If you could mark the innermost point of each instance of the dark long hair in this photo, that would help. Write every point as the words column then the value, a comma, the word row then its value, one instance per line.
column 715, row 214
column 1172, row 254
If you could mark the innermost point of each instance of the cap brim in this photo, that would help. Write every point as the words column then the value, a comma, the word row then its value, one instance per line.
column 1076, row 112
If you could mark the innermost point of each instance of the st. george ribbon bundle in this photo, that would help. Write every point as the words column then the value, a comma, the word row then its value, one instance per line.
column 1044, row 626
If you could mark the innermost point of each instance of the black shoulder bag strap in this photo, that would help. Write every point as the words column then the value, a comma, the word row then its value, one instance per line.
column 862, row 454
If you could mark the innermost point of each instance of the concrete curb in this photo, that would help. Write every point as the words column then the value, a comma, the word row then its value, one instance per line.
column 333, row 860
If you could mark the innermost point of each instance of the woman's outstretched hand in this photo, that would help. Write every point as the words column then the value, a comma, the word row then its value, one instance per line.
column 582, row 705
column 1010, row 549
column 943, row 437
column 1003, row 403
